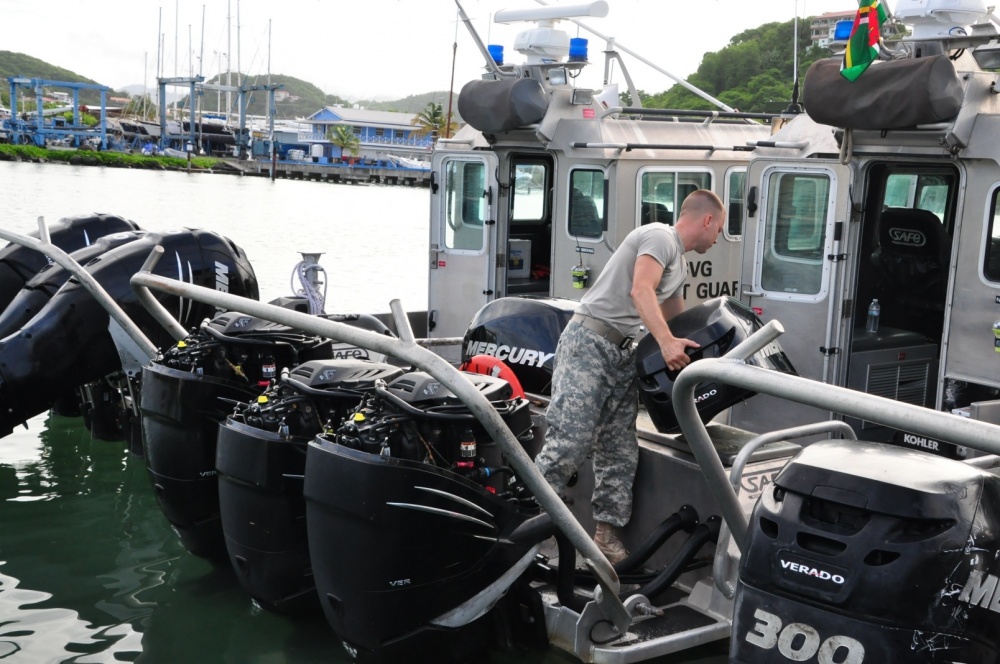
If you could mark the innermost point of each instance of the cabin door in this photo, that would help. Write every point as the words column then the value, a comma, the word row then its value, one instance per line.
column 793, row 272
column 463, row 242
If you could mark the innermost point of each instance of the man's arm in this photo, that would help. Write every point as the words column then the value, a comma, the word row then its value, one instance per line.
column 644, row 281
column 671, row 307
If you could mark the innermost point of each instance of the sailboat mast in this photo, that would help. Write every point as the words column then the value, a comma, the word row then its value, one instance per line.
column 451, row 85
column 229, row 57
column 795, row 42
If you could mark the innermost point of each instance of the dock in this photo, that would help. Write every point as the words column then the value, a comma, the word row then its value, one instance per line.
column 335, row 173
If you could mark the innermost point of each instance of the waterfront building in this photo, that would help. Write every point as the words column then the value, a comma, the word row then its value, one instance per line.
column 381, row 134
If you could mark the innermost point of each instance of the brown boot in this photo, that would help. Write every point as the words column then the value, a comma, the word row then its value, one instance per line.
column 607, row 541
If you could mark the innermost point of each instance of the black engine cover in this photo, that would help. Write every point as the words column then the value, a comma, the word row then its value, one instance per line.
column 68, row 343
column 718, row 325
column 523, row 332
column 18, row 264
column 869, row 552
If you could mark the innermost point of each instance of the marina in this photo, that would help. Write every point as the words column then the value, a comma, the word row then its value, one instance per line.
column 820, row 484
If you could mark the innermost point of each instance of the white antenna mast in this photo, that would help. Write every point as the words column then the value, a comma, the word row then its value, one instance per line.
column 701, row 93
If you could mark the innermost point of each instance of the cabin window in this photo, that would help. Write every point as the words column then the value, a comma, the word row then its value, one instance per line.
column 529, row 196
column 924, row 191
column 467, row 204
column 795, row 232
column 991, row 264
column 587, row 210
column 735, row 197
column 663, row 192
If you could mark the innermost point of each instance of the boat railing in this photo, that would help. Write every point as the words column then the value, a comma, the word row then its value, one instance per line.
column 733, row 370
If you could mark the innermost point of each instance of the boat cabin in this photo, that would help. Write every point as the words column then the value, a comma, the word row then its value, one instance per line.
column 537, row 191
column 886, row 189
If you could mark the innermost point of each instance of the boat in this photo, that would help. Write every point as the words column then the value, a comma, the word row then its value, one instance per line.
column 408, row 162
column 797, row 493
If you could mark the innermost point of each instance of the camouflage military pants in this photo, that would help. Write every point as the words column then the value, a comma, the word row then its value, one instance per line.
column 593, row 410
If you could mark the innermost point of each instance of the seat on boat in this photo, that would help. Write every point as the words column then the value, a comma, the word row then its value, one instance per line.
column 911, row 259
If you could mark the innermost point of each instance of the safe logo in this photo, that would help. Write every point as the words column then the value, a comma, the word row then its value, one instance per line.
column 799, row 642
column 907, row 237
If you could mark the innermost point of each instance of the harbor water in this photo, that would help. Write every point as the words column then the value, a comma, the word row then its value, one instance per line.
column 90, row 572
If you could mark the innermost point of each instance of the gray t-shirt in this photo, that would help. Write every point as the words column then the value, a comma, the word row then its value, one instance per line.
column 609, row 300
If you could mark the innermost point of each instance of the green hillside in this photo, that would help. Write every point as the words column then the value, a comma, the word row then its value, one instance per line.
column 413, row 103
column 303, row 100
column 19, row 64
column 753, row 73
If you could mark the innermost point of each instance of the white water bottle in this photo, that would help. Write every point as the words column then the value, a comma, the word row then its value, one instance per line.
column 873, row 312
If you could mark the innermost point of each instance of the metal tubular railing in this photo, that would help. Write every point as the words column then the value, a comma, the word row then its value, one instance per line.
column 732, row 371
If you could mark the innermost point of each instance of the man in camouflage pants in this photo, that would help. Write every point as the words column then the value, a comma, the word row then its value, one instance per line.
column 594, row 385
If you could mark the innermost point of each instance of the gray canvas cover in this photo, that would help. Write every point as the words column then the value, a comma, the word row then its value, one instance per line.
column 889, row 95
column 497, row 106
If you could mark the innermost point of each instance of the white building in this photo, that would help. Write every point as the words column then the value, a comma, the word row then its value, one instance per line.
column 824, row 25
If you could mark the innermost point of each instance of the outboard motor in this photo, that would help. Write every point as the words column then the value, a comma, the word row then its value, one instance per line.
column 186, row 393
column 18, row 263
column 30, row 300
column 261, row 459
column 68, row 342
column 718, row 325
column 865, row 552
column 412, row 514
column 40, row 288
column 523, row 332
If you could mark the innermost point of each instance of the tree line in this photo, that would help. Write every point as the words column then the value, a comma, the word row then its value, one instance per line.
column 753, row 73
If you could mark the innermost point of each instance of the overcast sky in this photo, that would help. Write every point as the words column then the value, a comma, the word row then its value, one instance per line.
column 360, row 49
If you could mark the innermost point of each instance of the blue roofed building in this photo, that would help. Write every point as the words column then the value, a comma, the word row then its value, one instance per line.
column 383, row 135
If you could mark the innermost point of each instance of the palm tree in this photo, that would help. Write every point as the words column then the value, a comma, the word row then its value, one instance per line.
column 432, row 121
column 343, row 137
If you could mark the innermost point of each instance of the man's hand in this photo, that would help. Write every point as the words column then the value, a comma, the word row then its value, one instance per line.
column 673, row 352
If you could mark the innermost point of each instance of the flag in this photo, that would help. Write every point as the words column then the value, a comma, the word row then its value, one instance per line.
column 862, row 46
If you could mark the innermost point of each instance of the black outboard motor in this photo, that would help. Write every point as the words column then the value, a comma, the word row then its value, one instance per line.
column 18, row 264
column 718, row 325
column 68, row 343
column 411, row 512
column 30, row 300
column 186, row 393
column 261, row 459
column 865, row 552
column 40, row 288
column 523, row 332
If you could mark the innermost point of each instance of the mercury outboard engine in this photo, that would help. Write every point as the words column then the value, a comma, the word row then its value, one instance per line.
column 411, row 511
column 261, row 458
column 68, row 342
column 866, row 552
column 36, row 293
column 40, row 288
column 186, row 393
column 523, row 332
column 718, row 325
column 18, row 263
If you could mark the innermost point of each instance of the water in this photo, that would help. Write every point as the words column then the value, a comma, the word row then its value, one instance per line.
column 89, row 570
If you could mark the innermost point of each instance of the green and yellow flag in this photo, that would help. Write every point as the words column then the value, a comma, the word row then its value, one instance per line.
column 862, row 47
